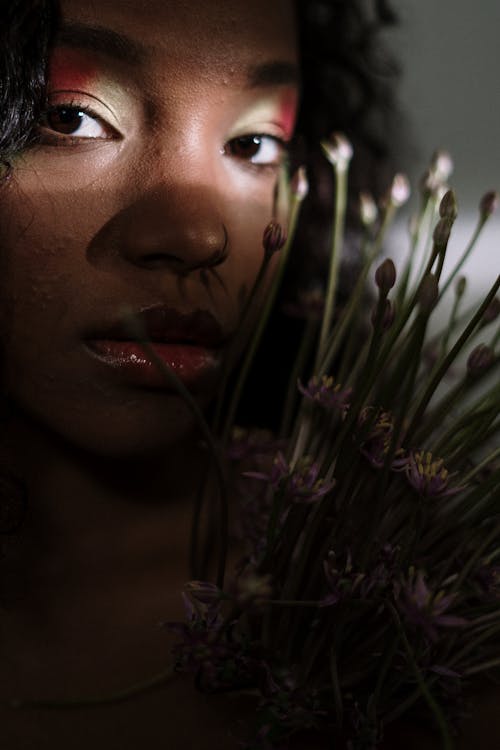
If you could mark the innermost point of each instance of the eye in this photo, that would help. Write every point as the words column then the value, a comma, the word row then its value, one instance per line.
column 263, row 150
column 72, row 122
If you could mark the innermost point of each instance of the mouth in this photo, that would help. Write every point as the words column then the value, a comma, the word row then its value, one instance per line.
column 189, row 344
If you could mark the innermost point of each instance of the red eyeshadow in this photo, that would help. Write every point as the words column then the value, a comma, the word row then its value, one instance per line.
column 288, row 111
column 70, row 69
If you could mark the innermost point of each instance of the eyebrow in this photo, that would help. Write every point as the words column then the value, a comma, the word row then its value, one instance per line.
column 124, row 49
column 275, row 73
column 101, row 39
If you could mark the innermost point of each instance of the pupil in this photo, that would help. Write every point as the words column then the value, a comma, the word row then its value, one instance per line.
column 247, row 146
column 65, row 120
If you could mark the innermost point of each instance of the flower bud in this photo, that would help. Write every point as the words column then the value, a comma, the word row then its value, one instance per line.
column 338, row 151
column 300, row 185
column 441, row 166
column 385, row 276
column 400, row 190
column 460, row 286
column 491, row 313
column 480, row 359
column 428, row 294
column 442, row 231
column 273, row 239
column 448, row 206
column 488, row 204
column 367, row 209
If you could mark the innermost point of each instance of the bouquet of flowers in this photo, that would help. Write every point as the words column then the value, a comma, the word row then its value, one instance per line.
column 370, row 581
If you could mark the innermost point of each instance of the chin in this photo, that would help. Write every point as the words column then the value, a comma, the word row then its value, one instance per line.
column 141, row 428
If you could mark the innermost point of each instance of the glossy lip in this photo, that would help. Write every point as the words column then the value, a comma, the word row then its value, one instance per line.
column 190, row 344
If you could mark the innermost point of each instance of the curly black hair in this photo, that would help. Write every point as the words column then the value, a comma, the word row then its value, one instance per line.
column 25, row 36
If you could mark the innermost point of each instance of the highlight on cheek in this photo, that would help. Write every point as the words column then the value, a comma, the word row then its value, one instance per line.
column 71, row 69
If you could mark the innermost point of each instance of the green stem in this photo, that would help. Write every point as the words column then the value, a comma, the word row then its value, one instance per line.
column 162, row 678
column 338, row 235
column 465, row 255
column 261, row 325
column 433, row 705
column 447, row 361
column 188, row 399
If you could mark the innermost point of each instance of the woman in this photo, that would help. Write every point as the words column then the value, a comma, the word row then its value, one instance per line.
column 142, row 188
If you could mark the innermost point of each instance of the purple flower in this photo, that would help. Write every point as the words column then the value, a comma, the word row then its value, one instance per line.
column 376, row 445
column 248, row 443
column 341, row 580
column 252, row 590
column 299, row 484
column 328, row 394
column 428, row 475
column 426, row 610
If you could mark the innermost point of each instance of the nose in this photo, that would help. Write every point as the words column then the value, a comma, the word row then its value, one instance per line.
column 177, row 228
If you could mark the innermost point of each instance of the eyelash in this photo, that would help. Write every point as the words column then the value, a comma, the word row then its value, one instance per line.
column 67, row 140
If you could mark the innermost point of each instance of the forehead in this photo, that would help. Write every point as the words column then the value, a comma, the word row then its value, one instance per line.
column 223, row 34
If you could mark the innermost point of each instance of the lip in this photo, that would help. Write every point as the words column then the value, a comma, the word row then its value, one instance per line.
column 190, row 344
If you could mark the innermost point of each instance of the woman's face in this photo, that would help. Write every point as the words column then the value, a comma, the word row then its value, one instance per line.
column 148, row 194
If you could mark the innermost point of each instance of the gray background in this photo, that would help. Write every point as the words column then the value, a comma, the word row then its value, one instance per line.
column 450, row 94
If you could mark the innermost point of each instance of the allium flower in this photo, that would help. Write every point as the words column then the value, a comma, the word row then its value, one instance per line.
column 338, row 151
column 299, row 185
column 252, row 591
column 448, row 206
column 273, row 239
column 428, row 475
column 367, row 209
column 299, row 484
column 385, row 276
column 342, row 580
column 376, row 446
column 480, row 359
column 400, row 190
column 488, row 204
column 246, row 443
column 198, row 645
column 328, row 394
column 492, row 312
column 426, row 610
column 203, row 592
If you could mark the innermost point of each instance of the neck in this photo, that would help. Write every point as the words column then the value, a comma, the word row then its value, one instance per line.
column 91, row 519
